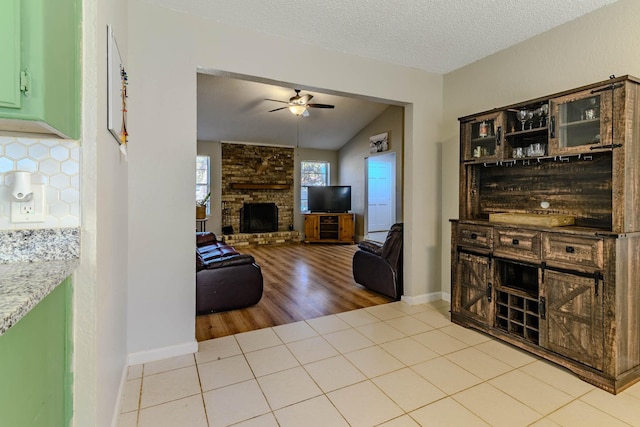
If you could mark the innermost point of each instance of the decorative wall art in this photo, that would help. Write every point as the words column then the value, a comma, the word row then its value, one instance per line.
column 379, row 142
column 117, row 82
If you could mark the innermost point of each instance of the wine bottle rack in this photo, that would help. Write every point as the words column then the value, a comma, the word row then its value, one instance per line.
column 517, row 313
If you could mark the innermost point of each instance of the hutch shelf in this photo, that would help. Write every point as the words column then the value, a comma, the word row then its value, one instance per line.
column 570, row 293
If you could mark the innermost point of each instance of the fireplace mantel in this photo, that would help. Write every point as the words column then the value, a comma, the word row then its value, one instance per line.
column 256, row 186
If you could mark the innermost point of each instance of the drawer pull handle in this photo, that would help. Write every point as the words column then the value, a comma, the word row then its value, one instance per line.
column 570, row 249
column 515, row 241
column 474, row 236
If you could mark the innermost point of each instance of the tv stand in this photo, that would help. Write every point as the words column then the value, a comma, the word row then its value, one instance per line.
column 329, row 228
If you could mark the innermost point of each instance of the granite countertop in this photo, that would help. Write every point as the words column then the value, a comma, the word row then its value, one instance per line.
column 32, row 264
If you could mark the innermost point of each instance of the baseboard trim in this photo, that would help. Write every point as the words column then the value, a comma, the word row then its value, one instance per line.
column 425, row 298
column 162, row 353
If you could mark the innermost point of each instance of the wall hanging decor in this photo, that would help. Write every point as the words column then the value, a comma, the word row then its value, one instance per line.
column 117, row 81
column 379, row 142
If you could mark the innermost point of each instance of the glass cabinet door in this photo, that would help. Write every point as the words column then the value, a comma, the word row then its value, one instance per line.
column 582, row 122
column 482, row 138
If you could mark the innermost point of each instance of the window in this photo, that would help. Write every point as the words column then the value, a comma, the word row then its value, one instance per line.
column 313, row 174
column 202, row 178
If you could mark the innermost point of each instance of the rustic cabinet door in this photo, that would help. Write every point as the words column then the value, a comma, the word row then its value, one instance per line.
column 472, row 292
column 572, row 317
column 311, row 227
column 346, row 228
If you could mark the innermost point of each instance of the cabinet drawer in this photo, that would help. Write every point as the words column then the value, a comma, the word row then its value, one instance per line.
column 517, row 244
column 573, row 251
column 475, row 236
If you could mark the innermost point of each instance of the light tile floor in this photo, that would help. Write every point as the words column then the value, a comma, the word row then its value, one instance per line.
column 389, row 365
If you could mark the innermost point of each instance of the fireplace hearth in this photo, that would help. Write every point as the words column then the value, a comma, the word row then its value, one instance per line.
column 258, row 218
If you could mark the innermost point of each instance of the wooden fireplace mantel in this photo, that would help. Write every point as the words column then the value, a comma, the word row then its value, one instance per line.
column 256, row 186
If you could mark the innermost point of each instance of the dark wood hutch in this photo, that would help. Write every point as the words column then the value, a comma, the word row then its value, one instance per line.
column 571, row 293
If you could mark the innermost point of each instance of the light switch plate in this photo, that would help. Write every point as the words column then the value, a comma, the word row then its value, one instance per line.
column 33, row 211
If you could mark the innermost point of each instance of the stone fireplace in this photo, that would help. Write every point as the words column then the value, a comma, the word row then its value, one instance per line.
column 257, row 176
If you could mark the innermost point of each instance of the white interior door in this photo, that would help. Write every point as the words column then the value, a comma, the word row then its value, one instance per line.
column 381, row 192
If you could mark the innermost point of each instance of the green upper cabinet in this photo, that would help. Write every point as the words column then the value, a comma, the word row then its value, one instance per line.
column 40, row 67
column 10, row 53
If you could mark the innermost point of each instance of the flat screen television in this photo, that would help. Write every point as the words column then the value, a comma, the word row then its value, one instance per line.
column 332, row 198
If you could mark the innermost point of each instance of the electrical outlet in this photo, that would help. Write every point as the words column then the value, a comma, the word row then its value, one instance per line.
column 27, row 207
column 33, row 210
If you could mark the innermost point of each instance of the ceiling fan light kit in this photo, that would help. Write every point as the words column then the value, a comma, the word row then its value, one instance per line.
column 299, row 110
column 298, row 105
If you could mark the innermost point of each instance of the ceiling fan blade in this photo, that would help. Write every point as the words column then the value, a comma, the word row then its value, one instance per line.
column 306, row 113
column 321, row 106
column 275, row 100
column 278, row 109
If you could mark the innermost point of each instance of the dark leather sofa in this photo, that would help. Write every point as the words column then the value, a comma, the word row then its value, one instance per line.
column 225, row 278
column 378, row 266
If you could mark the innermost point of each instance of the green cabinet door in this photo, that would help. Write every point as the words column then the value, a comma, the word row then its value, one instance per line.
column 10, row 53
column 49, row 45
column 35, row 365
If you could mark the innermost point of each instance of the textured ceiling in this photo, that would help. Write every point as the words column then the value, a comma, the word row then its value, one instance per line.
column 437, row 36
column 433, row 35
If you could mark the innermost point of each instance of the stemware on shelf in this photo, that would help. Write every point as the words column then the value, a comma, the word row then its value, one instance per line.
column 522, row 116
column 538, row 113
column 544, row 109
column 530, row 115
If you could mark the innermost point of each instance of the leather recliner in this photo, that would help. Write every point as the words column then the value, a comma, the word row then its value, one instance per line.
column 378, row 266
column 225, row 278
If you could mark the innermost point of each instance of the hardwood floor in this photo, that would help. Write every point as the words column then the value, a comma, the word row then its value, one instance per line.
column 301, row 281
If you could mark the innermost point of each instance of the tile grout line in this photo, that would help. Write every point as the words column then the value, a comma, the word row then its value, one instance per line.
column 204, row 406
column 255, row 378
column 140, row 395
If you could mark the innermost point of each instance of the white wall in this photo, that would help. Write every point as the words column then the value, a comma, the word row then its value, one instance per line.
column 583, row 51
column 354, row 153
column 100, row 284
column 164, row 54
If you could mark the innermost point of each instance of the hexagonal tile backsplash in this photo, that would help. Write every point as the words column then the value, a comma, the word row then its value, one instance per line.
column 52, row 162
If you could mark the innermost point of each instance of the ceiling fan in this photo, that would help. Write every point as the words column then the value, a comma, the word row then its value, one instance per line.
column 299, row 104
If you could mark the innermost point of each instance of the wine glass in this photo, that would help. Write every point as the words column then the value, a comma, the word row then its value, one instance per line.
column 530, row 118
column 544, row 109
column 522, row 116
column 538, row 115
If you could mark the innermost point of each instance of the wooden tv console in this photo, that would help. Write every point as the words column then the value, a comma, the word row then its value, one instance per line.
column 329, row 228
